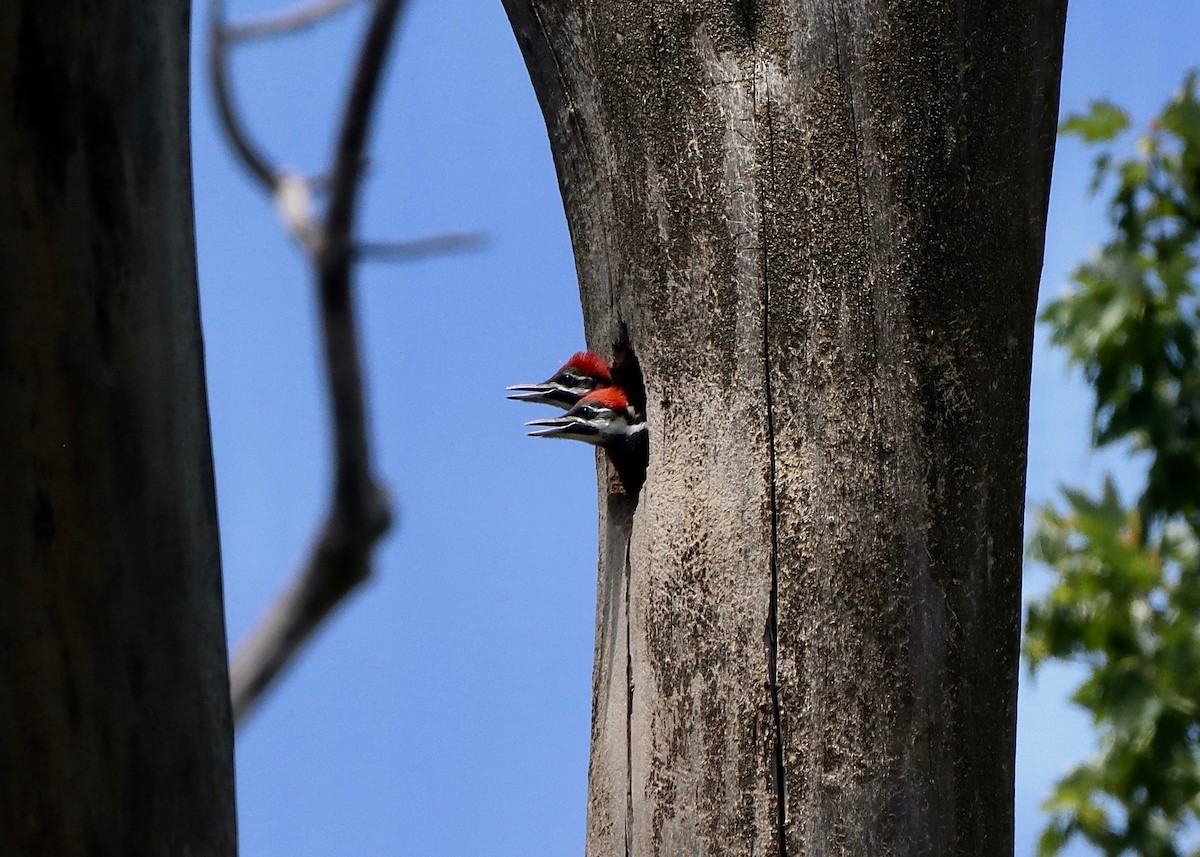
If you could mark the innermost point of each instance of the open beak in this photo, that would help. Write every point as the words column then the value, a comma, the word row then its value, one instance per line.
column 529, row 392
column 567, row 428
column 544, row 393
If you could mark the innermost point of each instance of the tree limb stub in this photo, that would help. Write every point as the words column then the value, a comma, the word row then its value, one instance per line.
column 822, row 225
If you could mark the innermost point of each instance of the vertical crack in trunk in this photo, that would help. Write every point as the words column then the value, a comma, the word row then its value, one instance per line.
column 854, row 123
column 628, row 704
column 772, row 636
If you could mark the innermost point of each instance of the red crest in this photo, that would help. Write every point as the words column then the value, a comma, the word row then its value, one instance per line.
column 608, row 397
column 589, row 364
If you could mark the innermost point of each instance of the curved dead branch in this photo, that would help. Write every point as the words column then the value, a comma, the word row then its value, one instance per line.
column 287, row 23
column 250, row 155
column 359, row 509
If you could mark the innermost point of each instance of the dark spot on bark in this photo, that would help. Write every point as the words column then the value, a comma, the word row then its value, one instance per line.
column 97, row 846
column 42, row 96
column 43, row 518
column 749, row 15
column 106, row 164
column 125, row 424
column 142, row 773
column 74, row 706
column 136, row 669
column 108, row 193
column 104, row 329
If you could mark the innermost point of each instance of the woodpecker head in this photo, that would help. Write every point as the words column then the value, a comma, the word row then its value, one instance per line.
column 603, row 417
column 579, row 376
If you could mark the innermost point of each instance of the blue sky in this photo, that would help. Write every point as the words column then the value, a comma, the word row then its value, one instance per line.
column 445, row 710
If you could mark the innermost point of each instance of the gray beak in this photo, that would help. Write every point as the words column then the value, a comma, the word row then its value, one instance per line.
column 567, row 428
column 528, row 392
column 545, row 393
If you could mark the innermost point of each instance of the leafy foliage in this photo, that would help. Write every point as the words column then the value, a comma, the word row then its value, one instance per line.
column 1126, row 601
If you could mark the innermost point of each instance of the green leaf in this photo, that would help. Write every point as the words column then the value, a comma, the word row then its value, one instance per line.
column 1182, row 116
column 1054, row 838
column 1102, row 122
column 1125, row 601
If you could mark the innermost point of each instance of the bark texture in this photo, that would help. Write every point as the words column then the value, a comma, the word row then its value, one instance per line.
column 115, row 730
column 818, row 226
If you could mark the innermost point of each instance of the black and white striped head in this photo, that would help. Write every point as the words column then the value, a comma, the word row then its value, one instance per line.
column 582, row 374
column 603, row 417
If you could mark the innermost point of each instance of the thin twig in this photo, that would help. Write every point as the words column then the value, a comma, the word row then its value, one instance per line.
column 252, row 158
column 359, row 511
column 356, row 120
column 421, row 248
column 287, row 23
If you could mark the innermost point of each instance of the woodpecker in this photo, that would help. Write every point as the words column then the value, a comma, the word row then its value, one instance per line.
column 580, row 375
column 605, row 418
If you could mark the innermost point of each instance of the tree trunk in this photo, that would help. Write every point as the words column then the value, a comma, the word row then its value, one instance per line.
column 818, row 229
column 115, row 730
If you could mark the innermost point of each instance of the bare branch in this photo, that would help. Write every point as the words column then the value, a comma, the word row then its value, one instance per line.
column 359, row 509
column 349, row 158
column 287, row 23
column 352, row 482
column 252, row 158
column 421, row 248
column 338, row 564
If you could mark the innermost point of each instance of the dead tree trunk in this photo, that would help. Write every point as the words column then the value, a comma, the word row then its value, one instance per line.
column 818, row 228
column 115, row 730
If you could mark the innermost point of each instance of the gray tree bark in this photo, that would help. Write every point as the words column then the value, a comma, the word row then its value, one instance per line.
column 818, row 228
column 115, row 729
